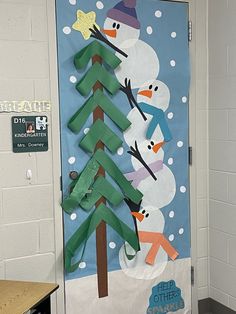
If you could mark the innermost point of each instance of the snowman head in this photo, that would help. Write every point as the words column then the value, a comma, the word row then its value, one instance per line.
column 150, row 151
column 149, row 219
column 155, row 93
column 122, row 26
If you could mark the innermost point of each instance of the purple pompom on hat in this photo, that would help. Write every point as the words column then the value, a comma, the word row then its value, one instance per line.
column 125, row 13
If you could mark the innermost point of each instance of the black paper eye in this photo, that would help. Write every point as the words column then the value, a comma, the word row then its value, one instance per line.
column 149, row 147
column 150, row 87
column 118, row 26
column 114, row 25
column 152, row 143
column 147, row 215
column 156, row 89
column 144, row 211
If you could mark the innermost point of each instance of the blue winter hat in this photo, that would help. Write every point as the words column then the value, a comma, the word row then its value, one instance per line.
column 125, row 13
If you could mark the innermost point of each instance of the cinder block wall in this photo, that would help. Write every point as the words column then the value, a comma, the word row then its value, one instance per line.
column 222, row 161
column 27, row 208
column 29, row 214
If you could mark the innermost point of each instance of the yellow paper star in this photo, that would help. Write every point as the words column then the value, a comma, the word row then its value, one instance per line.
column 84, row 22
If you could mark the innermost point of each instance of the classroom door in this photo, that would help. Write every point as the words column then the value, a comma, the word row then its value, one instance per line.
column 124, row 85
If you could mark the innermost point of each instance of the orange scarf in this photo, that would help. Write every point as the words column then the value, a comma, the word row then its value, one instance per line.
column 157, row 239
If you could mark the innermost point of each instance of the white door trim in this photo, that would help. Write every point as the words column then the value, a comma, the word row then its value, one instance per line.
column 56, row 157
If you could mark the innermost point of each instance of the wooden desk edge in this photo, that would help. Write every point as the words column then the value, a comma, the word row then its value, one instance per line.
column 49, row 287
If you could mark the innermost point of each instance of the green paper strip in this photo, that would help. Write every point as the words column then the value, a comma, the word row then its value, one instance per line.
column 108, row 164
column 98, row 99
column 83, row 233
column 81, row 187
column 86, row 179
column 81, row 116
column 104, row 188
column 99, row 131
column 83, row 57
column 90, row 200
column 94, row 74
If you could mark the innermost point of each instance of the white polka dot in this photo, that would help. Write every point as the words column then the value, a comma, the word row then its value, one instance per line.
column 173, row 35
column 112, row 245
column 170, row 161
column 180, row 144
column 71, row 160
column 171, row 237
column 82, row 265
column 183, row 189
column 99, row 5
column 86, row 130
column 66, row 30
column 73, row 79
column 120, row 151
column 184, row 99
column 170, row 115
column 171, row 214
column 73, row 2
column 158, row 13
column 173, row 63
column 149, row 30
column 73, row 216
column 181, row 230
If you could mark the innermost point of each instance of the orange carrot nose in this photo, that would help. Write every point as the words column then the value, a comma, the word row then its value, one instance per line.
column 139, row 216
column 110, row 32
column 147, row 93
column 157, row 147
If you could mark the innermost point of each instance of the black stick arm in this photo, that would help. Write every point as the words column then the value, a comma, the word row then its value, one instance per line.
column 127, row 89
column 136, row 154
column 98, row 35
column 137, row 106
column 134, row 208
column 123, row 89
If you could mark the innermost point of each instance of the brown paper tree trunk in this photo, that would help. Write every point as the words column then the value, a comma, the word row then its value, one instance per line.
column 101, row 232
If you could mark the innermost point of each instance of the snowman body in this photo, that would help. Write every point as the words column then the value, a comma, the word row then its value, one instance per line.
column 142, row 63
column 155, row 94
column 137, row 267
column 138, row 129
column 159, row 192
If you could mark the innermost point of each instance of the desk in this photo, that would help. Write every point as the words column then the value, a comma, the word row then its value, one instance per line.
column 18, row 297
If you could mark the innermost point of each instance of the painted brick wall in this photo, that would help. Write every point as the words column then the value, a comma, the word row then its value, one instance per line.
column 27, row 241
column 222, row 133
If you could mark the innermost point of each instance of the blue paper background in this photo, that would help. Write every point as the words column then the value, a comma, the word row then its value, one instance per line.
column 174, row 19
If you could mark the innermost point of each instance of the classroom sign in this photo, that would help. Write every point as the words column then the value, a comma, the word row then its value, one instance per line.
column 29, row 134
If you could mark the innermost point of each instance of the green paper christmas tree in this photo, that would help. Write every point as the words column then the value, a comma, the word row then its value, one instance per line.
column 91, row 191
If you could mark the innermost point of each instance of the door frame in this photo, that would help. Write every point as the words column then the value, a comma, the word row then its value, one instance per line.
column 192, row 143
column 59, row 247
column 56, row 158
